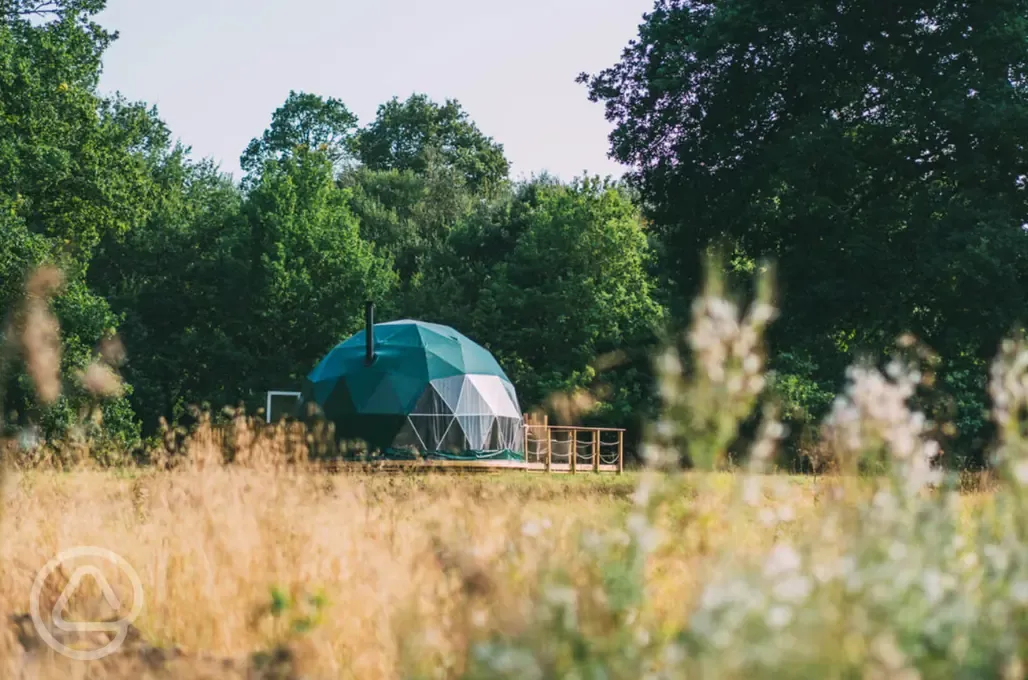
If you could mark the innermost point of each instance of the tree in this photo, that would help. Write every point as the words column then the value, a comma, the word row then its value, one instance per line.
column 408, row 215
column 304, row 121
column 310, row 270
column 553, row 280
column 73, row 169
column 180, row 282
column 48, row 9
column 85, row 320
column 418, row 134
column 72, row 165
column 876, row 153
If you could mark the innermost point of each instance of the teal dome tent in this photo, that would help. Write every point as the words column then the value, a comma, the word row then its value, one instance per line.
column 410, row 387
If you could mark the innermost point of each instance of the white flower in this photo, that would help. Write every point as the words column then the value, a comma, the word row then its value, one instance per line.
column 1019, row 591
column 779, row 616
column 931, row 583
column 793, row 589
column 751, row 488
column 1021, row 472
column 782, row 560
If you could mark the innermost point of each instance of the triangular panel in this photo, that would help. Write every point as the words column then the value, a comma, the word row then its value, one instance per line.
column 450, row 390
column 476, row 430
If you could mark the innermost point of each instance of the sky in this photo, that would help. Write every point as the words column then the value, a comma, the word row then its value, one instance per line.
column 217, row 69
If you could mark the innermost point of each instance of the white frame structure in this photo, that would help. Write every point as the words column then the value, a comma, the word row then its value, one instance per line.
column 267, row 409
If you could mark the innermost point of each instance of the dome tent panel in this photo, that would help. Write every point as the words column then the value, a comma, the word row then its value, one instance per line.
column 441, row 367
column 431, row 402
column 384, row 399
column 510, row 434
column 377, row 431
column 408, row 438
column 438, row 433
column 494, row 396
column 476, row 430
column 449, row 390
column 471, row 402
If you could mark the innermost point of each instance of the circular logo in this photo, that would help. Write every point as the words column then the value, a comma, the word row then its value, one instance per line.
column 118, row 628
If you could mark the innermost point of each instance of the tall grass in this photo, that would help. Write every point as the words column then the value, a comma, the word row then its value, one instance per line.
column 254, row 564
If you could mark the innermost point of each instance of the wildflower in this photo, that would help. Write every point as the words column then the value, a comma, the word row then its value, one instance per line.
column 779, row 616
column 782, row 560
column 793, row 589
column 40, row 337
column 1019, row 591
column 101, row 380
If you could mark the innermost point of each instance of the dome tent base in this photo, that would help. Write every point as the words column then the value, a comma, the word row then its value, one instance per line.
column 413, row 455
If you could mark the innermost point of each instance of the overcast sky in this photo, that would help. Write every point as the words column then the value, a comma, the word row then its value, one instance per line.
column 217, row 69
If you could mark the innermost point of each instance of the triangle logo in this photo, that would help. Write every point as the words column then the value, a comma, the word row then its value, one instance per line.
column 73, row 584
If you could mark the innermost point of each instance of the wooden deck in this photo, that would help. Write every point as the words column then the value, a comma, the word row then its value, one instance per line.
column 478, row 466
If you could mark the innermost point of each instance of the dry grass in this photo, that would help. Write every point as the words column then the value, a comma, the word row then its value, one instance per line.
column 409, row 565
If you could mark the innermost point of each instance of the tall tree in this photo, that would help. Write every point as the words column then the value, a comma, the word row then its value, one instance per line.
column 877, row 153
column 419, row 133
column 74, row 168
column 310, row 269
column 304, row 121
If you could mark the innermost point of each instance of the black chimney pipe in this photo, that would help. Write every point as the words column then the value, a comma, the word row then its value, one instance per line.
column 369, row 332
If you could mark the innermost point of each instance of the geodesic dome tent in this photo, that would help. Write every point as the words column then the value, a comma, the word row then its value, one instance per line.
column 416, row 387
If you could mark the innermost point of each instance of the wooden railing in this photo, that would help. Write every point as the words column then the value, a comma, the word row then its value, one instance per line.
column 567, row 448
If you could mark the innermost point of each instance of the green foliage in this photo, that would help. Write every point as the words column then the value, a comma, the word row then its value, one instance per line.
column 418, row 134
column 72, row 166
column 310, row 269
column 860, row 140
column 180, row 282
column 408, row 215
column 290, row 617
column 304, row 122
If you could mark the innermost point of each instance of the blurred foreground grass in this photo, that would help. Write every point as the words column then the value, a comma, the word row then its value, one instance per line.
column 411, row 569
column 405, row 562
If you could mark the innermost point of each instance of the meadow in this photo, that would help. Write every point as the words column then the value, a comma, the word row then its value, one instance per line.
column 256, row 563
column 399, row 574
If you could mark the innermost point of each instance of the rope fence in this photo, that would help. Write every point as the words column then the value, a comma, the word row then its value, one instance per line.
column 574, row 448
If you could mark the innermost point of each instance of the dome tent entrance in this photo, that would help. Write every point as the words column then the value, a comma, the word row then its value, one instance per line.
column 414, row 388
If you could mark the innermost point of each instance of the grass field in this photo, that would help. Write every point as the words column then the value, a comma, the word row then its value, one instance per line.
column 413, row 570
column 404, row 562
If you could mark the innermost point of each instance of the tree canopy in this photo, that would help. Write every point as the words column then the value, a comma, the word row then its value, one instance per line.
column 418, row 134
column 876, row 153
column 305, row 122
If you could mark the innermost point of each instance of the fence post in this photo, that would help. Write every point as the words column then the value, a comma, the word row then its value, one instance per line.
column 596, row 451
column 621, row 451
column 524, row 443
column 549, row 447
column 573, row 441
